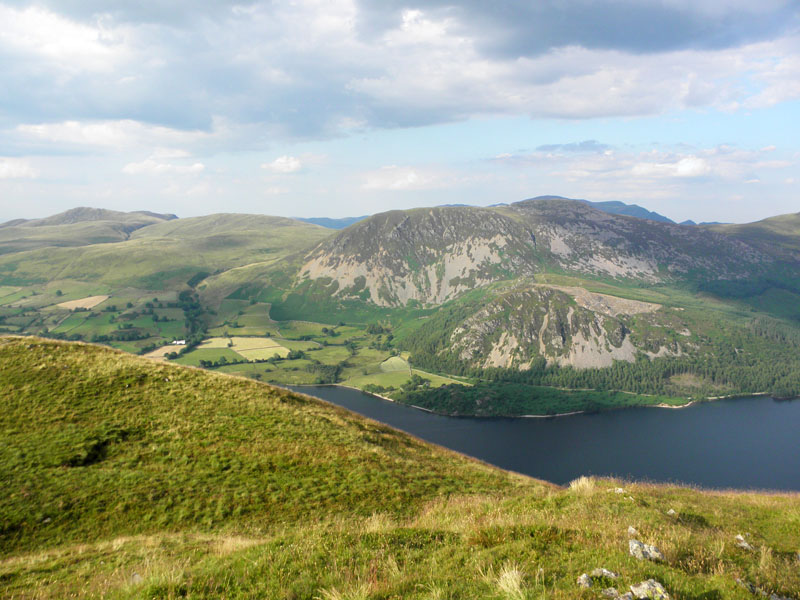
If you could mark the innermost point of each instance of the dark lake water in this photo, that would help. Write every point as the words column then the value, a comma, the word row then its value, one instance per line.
column 742, row 443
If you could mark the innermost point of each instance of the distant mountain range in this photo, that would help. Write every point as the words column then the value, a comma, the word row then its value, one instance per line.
column 332, row 223
column 613, row 207
column 555, row 292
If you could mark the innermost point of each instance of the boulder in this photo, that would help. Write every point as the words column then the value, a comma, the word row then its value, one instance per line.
column 742, row 543
column 584, row 581
column 650, row 589
column 644, row 551
column 671, row 512
column 601, row 572
column 613, row 593
column 632, row 530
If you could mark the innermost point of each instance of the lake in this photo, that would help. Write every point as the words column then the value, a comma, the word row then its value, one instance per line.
column 739, row 443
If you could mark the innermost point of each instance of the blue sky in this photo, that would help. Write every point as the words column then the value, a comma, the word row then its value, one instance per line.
column 349, row 107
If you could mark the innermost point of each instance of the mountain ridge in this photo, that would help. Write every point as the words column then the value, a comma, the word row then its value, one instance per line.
column 546, row 292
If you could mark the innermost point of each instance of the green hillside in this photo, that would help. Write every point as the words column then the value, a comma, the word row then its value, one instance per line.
column 149, row 278
column 545, row 297
column 125, row 478
column 75, row 227
column 168, row 254
column 781, row 233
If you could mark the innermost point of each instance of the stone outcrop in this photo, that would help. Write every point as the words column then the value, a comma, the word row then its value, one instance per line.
column 743, row 543
column 650, row 590
column 643, row 551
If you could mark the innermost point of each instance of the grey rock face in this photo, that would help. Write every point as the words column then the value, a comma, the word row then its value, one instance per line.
column 644, row 551
column 650, row 589
column 584, row 581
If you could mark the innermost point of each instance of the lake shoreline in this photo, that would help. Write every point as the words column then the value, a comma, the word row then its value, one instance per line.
column 566, row 414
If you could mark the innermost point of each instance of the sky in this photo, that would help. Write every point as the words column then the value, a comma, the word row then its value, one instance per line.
column 341, row 108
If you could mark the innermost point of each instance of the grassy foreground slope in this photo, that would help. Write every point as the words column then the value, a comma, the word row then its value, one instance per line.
column 125, row 478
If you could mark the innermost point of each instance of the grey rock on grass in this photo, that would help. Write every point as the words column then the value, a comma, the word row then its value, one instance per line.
column 601, row 572
column 742, row 543
column 644, row 551
column 650, row 589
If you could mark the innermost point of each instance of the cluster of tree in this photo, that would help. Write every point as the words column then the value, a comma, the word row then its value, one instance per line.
column 326, row 373
column 774, row 370
column 501, row 398
column 415, row 383
column 775, row 331
column 122, row 335
column 193, row 313
column 72, row 337
column 378, row 329
column 374, row 388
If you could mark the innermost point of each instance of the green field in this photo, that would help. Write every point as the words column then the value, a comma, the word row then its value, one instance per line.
column 395, row 363
column 194, row 357
column 396, row 379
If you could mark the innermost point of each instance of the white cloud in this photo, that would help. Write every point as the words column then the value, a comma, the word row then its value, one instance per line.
column 394, row 178
column 151, row 166
column 72, row 46
column 16, row 168
column 653, row 174
column 284, row 164
column 322, row 75
column 274, row 191
column 168, row 153
column 689, row 166
column 120, row 135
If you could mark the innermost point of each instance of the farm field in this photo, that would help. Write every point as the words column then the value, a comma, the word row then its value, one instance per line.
column 396, row 379
column 395, row 363
column 161, row 352
column 86, row 303
column 250, row 348
column 194, row 357
column 307, row 353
